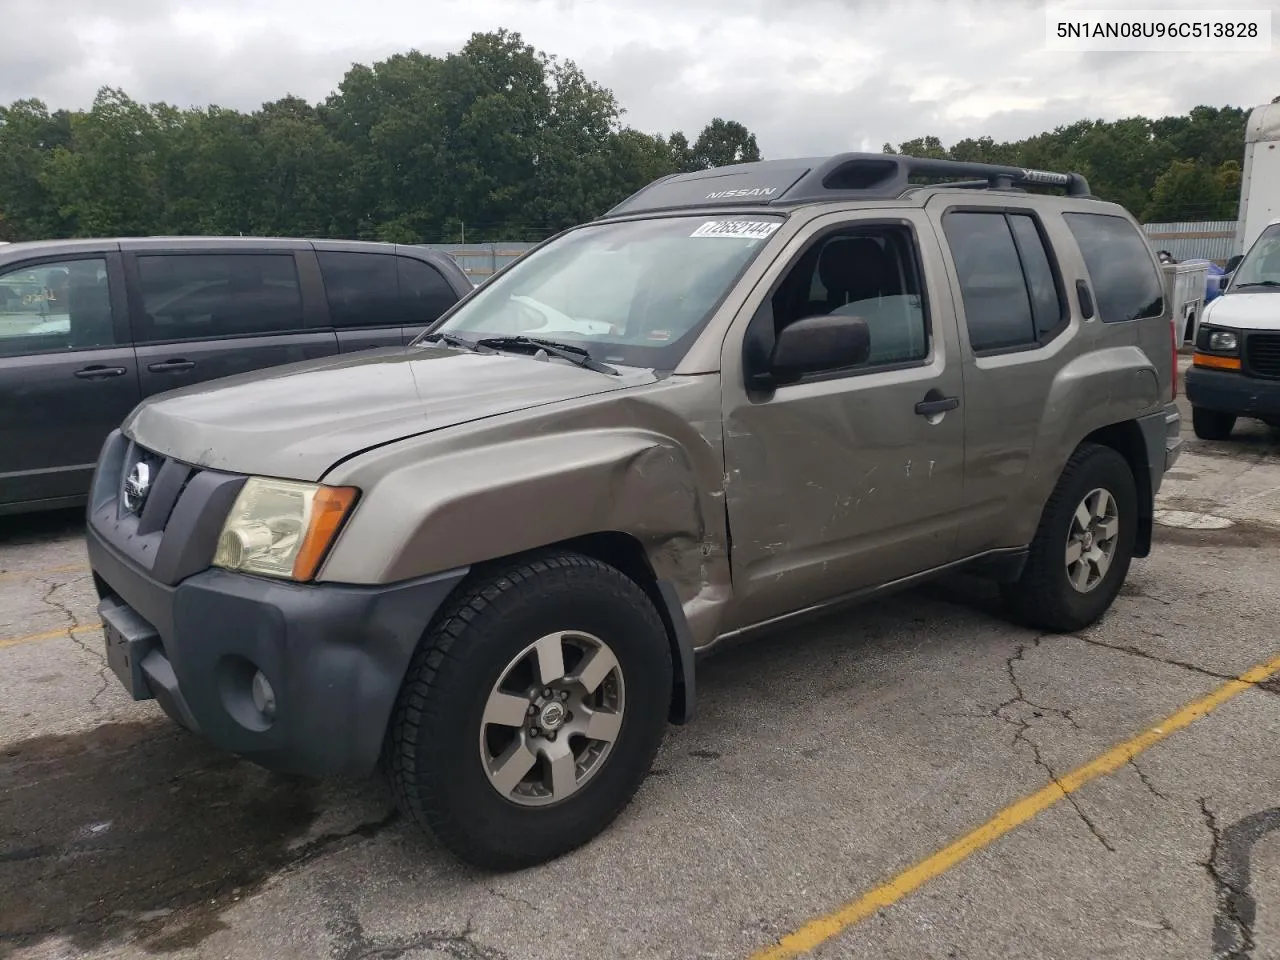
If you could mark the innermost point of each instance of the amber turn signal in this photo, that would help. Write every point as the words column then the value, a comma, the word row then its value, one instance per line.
column 329, row 508
column 1217, row 363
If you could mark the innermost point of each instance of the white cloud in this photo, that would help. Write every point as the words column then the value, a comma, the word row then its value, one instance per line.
column 807, row 76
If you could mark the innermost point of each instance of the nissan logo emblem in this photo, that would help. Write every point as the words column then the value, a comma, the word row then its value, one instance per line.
column 136, row 487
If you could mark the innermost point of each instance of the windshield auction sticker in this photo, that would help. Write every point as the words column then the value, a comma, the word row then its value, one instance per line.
column 739, row 229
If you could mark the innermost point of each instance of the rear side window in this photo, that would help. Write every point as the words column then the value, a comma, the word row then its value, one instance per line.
column 1011, row 296
column 53, row 307
column 206, row 296
column 1126, row 284
column 362, row 288
column 1047, row 306
column 424, row 293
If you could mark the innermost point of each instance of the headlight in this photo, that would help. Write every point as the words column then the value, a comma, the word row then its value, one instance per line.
column 282, row 528
column 1223, row 341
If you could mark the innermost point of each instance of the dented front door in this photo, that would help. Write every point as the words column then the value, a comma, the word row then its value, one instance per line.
column 841, row 484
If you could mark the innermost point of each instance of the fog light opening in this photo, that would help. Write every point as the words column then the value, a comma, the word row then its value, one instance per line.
column 264, row 696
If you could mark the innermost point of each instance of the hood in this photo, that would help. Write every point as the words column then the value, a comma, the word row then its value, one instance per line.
column 298, row 420
column 1247, row 311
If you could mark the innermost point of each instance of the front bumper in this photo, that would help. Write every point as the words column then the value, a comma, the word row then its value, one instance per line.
column 194, row 637
column 1228, row 392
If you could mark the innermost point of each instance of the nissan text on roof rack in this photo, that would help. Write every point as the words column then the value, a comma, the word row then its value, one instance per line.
column 744, row 396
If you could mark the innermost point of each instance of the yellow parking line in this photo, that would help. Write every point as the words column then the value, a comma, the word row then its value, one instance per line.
column 821, row 929
column 29, row 574
column 47, row 635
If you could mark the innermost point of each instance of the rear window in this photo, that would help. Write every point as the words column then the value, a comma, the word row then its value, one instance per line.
column 1126, row 283
column 424, row 293
column 1011, row 295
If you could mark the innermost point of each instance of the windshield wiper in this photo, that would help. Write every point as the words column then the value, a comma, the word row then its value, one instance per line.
column 1257, row 283
column 454, row 341
column 564, row 351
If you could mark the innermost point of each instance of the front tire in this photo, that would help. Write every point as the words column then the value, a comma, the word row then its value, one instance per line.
column 1212, row 424
column 531, row 712
column 1081, row 552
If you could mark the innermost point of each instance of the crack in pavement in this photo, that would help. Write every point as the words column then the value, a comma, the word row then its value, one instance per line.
column 73, row 623
column 510, row 898
column 351, row 942
column 1143, row 777
column 1023, row 725
column 1267, row 686
column 1233, row 925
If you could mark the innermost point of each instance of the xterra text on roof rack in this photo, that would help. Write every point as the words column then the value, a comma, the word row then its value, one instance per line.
column 488, row 561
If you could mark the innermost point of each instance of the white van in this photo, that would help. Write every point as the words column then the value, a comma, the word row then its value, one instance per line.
column 1235, row 370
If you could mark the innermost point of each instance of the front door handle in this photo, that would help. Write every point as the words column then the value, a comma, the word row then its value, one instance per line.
column 171, row 366
column 99, row 372
column 934, row 403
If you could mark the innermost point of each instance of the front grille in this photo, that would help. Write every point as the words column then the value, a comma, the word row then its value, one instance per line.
column 171, row 529
column 1262, row 354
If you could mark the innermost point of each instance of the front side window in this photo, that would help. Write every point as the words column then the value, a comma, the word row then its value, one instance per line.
column 205, row 296
column 1259, row 271
column 52, row 307
column 635, row 292
column 869, row 272
column 1126, row 284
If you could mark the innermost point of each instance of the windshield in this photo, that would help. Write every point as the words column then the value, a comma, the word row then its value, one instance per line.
column 1260, row 269
column 635, row 292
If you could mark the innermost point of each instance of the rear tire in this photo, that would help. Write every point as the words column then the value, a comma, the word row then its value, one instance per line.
column 503, row 774
column 1212, row 424
column 1081, row 552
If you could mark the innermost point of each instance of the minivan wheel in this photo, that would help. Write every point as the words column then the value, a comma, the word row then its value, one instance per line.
column 531, row 712
column 1212, row 424
column 1081, row 552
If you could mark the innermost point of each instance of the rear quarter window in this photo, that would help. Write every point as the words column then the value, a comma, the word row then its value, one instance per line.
column 362, row 289
column 1126, row 283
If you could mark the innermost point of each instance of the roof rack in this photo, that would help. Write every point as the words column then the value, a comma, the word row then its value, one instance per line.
column 845, row 176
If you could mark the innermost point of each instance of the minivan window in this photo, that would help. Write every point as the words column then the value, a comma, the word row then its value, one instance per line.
column 634, row 292
column 362, row 289
column 204, row 296
column 424, row 293
column 1126, row 284
column 52, row 307
column 1259, row 271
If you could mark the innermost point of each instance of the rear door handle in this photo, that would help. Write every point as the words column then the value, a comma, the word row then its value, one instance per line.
column 935, row 403
column 99, row 372
column 171, row 366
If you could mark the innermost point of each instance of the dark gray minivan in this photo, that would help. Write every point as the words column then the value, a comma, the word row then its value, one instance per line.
column 88, row 328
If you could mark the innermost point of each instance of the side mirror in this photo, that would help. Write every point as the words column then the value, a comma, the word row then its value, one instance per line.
column 1232, row 263
column 824, row 342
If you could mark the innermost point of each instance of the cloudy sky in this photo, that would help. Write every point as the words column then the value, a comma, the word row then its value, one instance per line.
column 807, row 76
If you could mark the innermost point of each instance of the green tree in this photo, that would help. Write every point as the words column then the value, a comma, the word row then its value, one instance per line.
column 1187, row 190
column 721, row 143
column 109, row 180
column 28, row 136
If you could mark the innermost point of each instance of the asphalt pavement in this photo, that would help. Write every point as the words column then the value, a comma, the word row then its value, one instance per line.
column 916, row 779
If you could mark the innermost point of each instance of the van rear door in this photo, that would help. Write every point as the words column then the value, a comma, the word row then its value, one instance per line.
column 200, row 314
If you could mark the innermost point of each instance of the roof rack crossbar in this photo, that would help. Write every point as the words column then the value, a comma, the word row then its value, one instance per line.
column 845, row 176
column 996, row 176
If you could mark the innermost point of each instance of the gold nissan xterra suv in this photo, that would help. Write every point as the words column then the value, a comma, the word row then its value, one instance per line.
column 486, row 563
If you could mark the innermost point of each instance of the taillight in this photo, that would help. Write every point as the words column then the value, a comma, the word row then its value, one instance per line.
column 1173, row 341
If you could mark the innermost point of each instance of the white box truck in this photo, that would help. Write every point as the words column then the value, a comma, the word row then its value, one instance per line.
column 1235, row 369
column 1260, row 181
